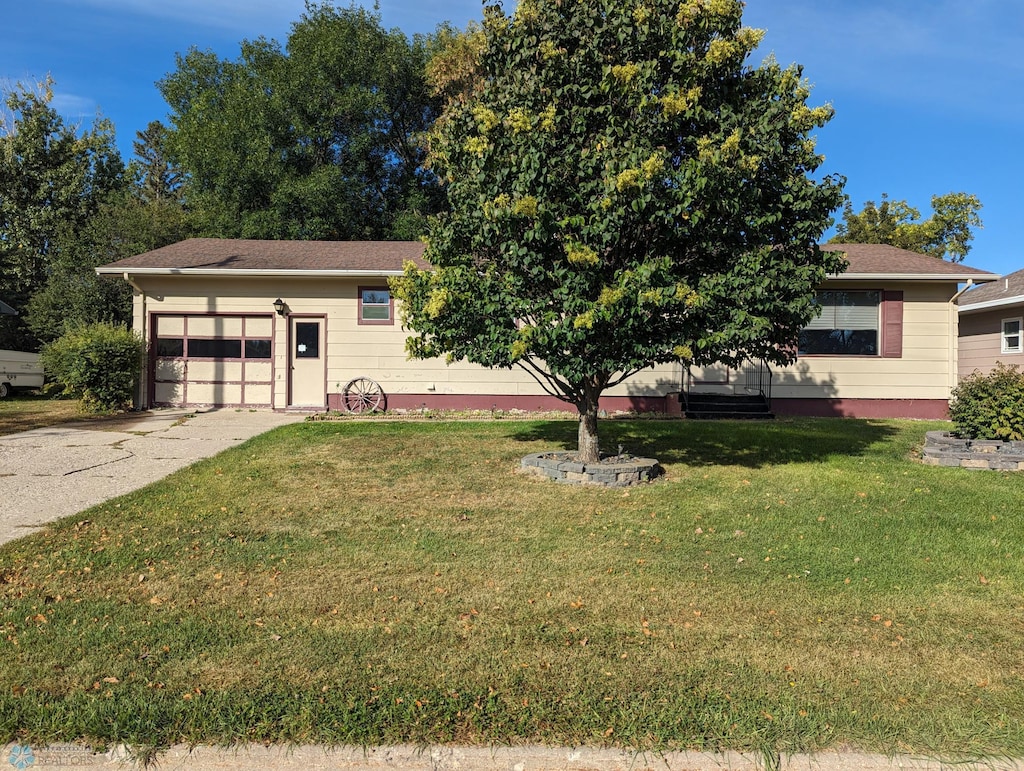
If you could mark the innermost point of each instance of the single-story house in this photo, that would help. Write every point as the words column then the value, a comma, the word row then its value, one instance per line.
column 992, row 325
column 286, row 324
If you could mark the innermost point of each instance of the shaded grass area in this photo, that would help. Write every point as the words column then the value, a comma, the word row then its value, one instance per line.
column 27, row 411
column 785, row 587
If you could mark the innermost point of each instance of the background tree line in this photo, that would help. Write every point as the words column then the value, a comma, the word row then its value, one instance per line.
column 316, row 139
column 321, row 138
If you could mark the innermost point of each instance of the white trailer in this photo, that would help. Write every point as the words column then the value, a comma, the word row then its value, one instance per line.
column 19, row 370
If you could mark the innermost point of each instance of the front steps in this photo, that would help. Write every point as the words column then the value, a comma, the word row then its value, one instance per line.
column 709, row 406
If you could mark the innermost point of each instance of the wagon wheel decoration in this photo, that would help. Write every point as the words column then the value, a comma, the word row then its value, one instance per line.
column 361, row 394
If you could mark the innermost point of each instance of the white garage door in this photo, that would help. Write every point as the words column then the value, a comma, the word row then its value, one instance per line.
column 221, row 360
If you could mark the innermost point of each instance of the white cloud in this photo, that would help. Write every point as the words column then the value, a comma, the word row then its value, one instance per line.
column 246, row 17
column 73, row 106
column 948, row 55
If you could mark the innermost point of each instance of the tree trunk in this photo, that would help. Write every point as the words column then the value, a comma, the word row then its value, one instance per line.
column 588, row 449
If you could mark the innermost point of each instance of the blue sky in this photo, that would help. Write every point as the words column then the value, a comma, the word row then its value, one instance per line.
column 929, row 94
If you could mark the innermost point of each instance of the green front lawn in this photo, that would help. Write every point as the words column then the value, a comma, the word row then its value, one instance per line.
column 788, row 586
column 24, row 412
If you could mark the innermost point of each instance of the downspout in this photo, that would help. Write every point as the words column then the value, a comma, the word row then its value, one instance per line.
column 954, row 344
column 140, row 401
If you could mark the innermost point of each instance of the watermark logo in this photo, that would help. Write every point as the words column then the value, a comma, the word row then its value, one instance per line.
column 20, row 756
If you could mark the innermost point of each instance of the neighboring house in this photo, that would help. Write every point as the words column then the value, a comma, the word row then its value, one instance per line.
column 286, row 324
column 992, row 325
column 7, row 310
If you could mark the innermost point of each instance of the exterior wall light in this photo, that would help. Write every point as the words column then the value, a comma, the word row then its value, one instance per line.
column 279, row 306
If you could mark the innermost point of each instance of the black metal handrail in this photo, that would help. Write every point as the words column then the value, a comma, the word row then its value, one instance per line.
column 754, row 377
column 757, row 378
column 684, row 389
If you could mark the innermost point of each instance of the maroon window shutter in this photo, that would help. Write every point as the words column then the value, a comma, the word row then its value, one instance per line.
column 892, row 325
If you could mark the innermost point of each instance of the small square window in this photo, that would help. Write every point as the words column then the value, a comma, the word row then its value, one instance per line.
column 375, row 305
column 1011, row 337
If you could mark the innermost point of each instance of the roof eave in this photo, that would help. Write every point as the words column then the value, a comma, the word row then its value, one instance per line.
column 977, row 278
column 254, row 272
column 987, row 304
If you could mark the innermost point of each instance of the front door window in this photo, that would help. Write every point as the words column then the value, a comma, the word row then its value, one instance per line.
column 307, row 340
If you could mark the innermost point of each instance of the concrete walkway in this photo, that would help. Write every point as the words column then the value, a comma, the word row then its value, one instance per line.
column 527, row 758
column 54, row 472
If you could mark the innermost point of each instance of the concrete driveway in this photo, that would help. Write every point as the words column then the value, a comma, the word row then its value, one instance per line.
column 54, row 472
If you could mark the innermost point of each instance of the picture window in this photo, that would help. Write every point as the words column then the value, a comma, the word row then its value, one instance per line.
column 848, row 324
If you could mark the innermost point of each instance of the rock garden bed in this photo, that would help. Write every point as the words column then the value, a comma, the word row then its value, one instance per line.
column 943, row 449
column 621, row 470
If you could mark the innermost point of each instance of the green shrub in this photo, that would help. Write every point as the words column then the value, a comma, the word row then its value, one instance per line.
column 98, row 363
column 990, row 406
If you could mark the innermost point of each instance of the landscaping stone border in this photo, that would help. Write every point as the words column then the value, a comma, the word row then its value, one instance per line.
column 942, row 449
column 614, row 471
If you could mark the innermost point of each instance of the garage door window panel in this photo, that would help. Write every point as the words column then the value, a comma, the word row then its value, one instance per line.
column 170, row 347
column 215, row 348
column 257, row 349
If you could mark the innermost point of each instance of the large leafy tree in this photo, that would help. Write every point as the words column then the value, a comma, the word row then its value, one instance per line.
column 319, row 140
column 625, row 190
column 947, row 233
column 155, row 176
column 53, row 178
column 73, row 295
column 145, row 215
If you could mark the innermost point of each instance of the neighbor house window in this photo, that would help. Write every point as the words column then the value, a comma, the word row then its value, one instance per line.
column 1011, row 338
column 376, row 305
column 848, row 324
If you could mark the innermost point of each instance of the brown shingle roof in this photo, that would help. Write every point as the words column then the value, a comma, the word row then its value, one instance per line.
column 215, row 254
column 224, row 254
column 882, row 259
column 1007, row 289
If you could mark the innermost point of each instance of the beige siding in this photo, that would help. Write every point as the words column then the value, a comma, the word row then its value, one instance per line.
column 925, row 371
